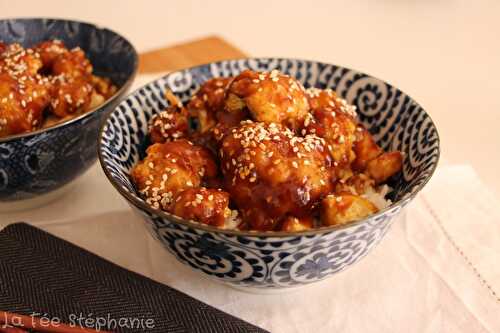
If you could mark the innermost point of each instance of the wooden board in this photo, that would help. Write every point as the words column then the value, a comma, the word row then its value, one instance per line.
column 187, row 54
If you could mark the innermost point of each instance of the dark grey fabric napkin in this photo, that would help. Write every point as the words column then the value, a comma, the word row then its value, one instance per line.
column 40, row 273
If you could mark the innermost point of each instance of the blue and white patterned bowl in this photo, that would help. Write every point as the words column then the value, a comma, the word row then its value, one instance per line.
column 35, row 166
column 274, row 260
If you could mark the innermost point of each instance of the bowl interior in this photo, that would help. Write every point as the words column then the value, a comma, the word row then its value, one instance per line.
column 396, row 121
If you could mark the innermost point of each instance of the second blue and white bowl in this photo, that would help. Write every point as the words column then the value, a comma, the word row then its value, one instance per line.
column 37, row 167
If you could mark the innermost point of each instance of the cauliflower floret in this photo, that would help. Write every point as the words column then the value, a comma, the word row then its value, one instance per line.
column 170, row 124
column 269, row 97
column 206, row 105
column 169, row 168
column 344, row 208
column 204, row 205
column 270, row 172
column 385, row 166
column 334, row 120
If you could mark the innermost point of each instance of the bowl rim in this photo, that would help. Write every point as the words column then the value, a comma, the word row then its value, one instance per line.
column 90, row 112
column 250, row 233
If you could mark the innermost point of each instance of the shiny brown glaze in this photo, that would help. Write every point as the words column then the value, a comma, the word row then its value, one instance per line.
column 344, row 208
column 289, row 159
column 269, row 97
column 46, row 80
column 334, row 120
column 206, row 105
column 270, row 172
column 169, row 125
column 171, row 167
column 204, row 205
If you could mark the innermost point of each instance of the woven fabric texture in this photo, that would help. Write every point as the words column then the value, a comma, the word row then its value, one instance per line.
column 44, row 274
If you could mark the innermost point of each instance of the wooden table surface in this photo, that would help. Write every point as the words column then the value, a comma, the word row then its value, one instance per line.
column 188, row 54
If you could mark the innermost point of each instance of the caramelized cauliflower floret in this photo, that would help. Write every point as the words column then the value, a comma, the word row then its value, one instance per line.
column 170, row 124
column 270, row 173
column 20, row 62
column 72, row 64
column 103, row 86
column 170, row 168
column 327, row 98
column 49, row 51
column 21, row 104
column 206, row 105
column 344, row 208
column 269, row 97
column 372, row 160
column 204, row 205
column 70, row 95
column 293, row 224
column 72, row 84
column 75, row 89
column 334, row 120
column 365, row 148
column 385, row 166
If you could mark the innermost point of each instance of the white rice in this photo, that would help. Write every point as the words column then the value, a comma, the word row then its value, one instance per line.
column 232, row 221
column 378, row 196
